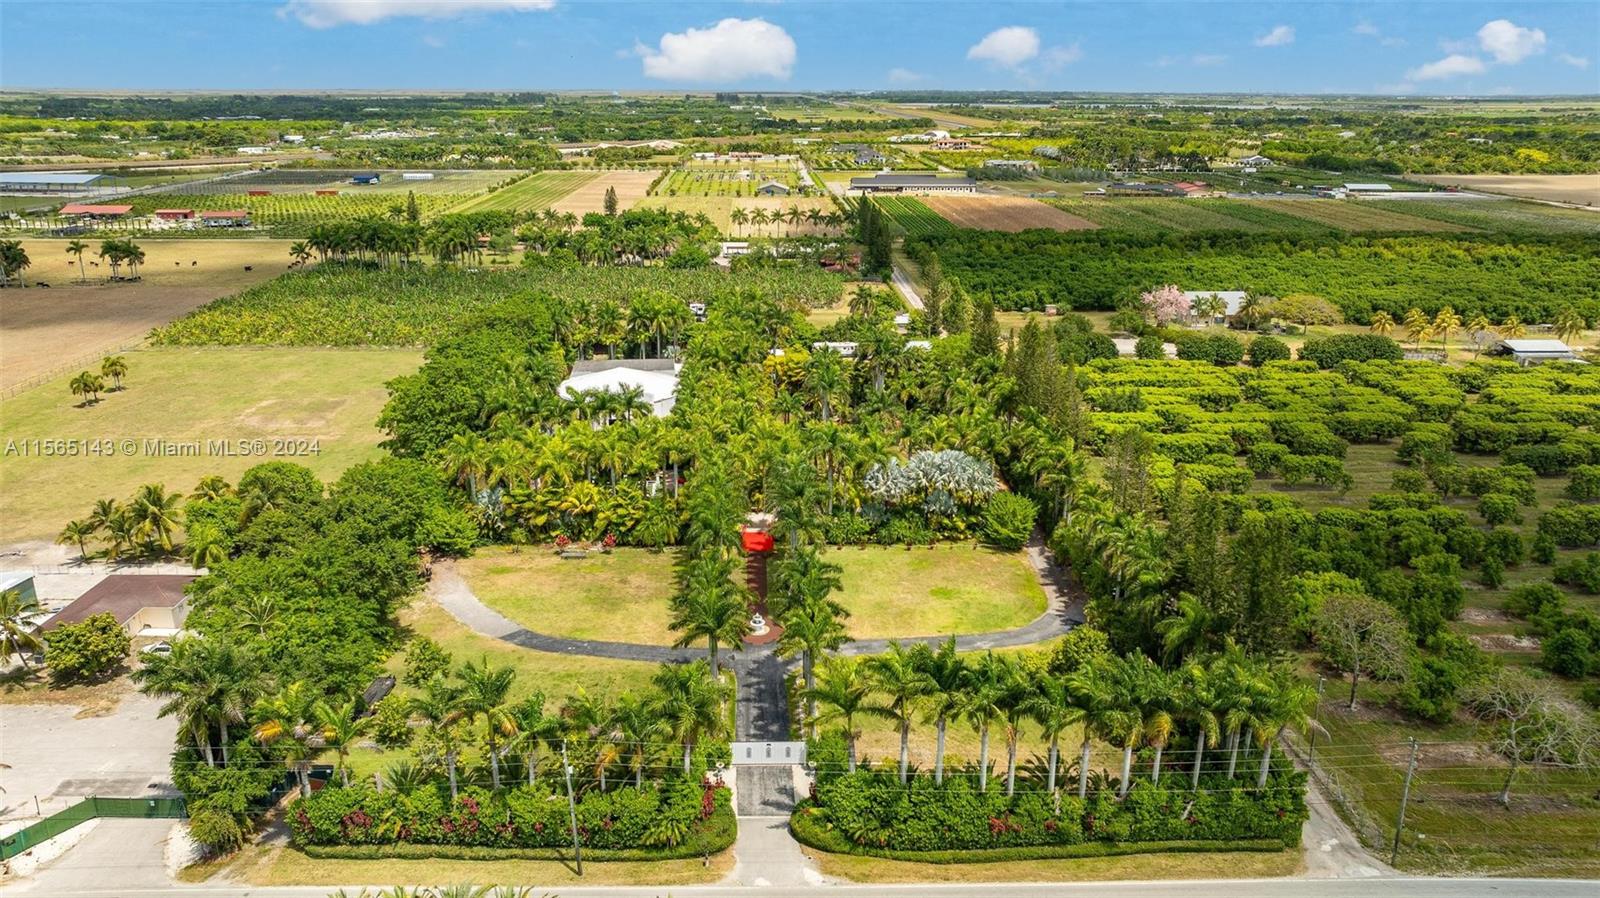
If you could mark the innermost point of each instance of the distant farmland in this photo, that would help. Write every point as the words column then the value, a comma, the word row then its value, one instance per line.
column 536, row 192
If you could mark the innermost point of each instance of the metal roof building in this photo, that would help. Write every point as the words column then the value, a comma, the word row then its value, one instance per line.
column 1528, row 352
column 48, row 181
column 887, row 183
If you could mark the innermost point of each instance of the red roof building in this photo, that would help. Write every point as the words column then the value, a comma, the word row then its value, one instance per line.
column 173, row 214
column 95, row 211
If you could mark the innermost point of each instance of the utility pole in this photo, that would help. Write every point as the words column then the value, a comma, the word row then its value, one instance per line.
column 1405, row 796
column 572, row 810
column 1311, row 755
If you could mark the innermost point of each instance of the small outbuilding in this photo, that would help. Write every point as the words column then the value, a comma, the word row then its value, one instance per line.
column 174, row 214
column 1532, row 352
column 772, row 188
column 96, row 211
column 147, row 604
column 367, row 177
column 225, row 218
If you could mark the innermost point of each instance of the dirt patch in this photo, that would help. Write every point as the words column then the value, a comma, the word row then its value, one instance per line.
column 1505, row 642
column 1003, row 213
column 1583, row 190
column 1449, row 754
column 308, row 415
column 92, row 700
column 631, row 187
column 49, row 331
column 1484, row 616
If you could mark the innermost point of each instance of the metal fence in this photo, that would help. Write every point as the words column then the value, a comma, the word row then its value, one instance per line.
column 88, row 809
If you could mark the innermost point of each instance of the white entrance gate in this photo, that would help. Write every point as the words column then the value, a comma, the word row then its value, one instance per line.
column 755, row 754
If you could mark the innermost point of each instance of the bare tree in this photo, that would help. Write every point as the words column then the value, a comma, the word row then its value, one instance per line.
column 1360, row 635
column 1537, row 724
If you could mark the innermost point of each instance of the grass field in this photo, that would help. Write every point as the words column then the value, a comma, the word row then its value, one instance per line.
column 1579, row 189
column 44, row 331
column 960, row 588
column 621, row 597
column 184, row 395
column 536, row 192
column 725, row 180
column 1204, row 865
column 1357, row 215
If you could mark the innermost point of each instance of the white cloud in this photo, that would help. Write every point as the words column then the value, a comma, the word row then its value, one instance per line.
column 1367, row 29
column 904, row 76
column 1577, row 62
column 1510, row 43
column 1208, row 58
column 330, row 13
column 1452, row 66
column 1010, row 46
column 1281, row 36
column 731, row 50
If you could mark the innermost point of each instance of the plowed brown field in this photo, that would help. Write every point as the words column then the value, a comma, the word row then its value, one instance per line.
column 1003, row 213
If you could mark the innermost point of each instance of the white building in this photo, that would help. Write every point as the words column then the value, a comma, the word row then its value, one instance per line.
column 1532, row 352
column 657, row 379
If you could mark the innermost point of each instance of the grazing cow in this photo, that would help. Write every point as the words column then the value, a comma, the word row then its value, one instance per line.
column 249, row 268
column 194, row 263
column 175, row 262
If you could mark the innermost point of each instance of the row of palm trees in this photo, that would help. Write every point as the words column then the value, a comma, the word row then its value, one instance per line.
column 217, row 689
column 1420, row 327
column 146, row 524
column 794, row 216
column 1129, row 702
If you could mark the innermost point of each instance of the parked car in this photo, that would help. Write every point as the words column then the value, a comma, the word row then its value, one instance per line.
column 158, row 650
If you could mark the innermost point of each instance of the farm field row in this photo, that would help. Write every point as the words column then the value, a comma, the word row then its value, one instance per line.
column 1508, row 216
column 913, row 215
column 630, row 186
column 536, row 192
column 720, row 210
column 1003, row 213
column 724, row 182
column 1581, row 189
column 302, row 210
column 1158, row 215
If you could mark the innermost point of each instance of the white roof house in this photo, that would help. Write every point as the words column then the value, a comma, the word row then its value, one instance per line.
column 1528, row 352
column 657, row 379
column 1368, row 188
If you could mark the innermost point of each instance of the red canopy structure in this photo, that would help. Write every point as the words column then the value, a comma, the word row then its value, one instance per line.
column 756, row 540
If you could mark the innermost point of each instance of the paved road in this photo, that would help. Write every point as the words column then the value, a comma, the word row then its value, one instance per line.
column 1397, row 887
column 907, row 292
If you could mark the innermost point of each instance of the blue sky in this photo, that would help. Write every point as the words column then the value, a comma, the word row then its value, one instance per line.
column 1389, row 47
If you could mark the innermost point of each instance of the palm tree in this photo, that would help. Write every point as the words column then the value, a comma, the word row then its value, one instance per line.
column 1569, row 325
column 691, row 704
column 534, row 728
column 1418, row 326
column 77, row 533
column 300, row 251
column 1382, row 323
column 18, row 635
column 945, row 694
column 78, row 248
column 712, row 608
column 483, row 695
column 1477, row 327
column 897, row 675
column 440, row 706
column 287, row 720
column 156, row 515
column 88, row 386
column 638, row 726
column 845, row 693
column 1292, row 704
column 1103, row 712
column 1199, row 705
column 116, row 368
column 1513, row 328
column 1443, row 323
column 739, row 217
column 1054, row 706
column 812, row 626
column 206, row 683
column 340, row 728
column 985, row 692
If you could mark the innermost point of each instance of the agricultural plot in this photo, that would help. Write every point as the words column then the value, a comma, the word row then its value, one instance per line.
column 536, row 192
column 296, row 213
column 1506, row 216
column 913, row 215
column 1173, row 215
column 334, row 305
column 1003, row 213
column 1356, row 215
column 1580, row 189
column 631, row 186
column 720, row 210
column 725, row 181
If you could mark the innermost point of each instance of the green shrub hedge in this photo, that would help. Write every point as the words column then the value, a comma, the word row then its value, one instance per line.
column 872, row 810
column 811, row 829
column 716, row 835
column 656, row 816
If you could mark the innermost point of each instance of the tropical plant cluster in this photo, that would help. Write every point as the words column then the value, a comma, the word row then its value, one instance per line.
column 1498, row 276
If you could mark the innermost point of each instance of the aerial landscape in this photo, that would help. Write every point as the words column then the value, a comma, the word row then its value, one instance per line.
column 501, row 448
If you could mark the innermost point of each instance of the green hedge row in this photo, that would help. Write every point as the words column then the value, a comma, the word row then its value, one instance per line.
column 716, row 835
column 810, row 830
column 872, row 809
column 656, row 816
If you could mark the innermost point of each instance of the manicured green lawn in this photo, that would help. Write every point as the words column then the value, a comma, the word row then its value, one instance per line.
column 1207, row 865
column 621, row 597
column 327, row 397
column 948, row 589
